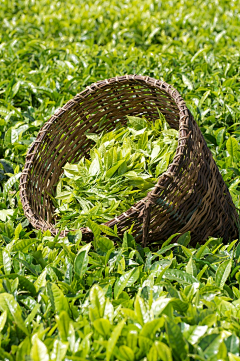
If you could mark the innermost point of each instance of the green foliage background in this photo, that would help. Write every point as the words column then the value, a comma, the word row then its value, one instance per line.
column 59, row 299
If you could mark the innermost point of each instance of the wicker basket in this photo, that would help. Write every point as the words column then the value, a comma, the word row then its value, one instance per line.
column 190, row 195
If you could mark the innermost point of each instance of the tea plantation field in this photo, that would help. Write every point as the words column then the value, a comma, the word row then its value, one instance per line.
column 64, row 299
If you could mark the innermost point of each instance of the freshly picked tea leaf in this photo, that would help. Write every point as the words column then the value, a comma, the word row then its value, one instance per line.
column 122, row 168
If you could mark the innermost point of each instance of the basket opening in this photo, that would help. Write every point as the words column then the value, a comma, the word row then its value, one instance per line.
column 66, row 141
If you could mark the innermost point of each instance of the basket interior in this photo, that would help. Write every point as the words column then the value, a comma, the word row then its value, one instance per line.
column 66, row 141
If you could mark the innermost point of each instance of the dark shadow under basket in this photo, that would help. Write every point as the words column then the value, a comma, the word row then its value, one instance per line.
column 190, row 195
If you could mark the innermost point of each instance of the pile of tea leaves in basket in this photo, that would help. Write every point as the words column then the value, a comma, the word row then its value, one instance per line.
column 122, row 168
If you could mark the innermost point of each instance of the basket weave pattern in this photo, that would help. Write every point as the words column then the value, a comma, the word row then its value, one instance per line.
column 190, row 195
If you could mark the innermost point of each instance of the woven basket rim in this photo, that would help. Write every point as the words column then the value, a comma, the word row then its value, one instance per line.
column 78, row 98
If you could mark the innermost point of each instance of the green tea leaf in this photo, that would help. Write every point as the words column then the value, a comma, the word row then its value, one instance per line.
column 102, row 326
column 232, row 147
column 14, row 313
column 193, row 333
column 63, row 324
column 97, row 300
column 58, row 300
column 3, row 319
column 114, row 338
column 179, row 276
column 159, row 350
column 137, row 122
column 223, row 272
column 151, row 327
column 81, row 260
column 23, row 244
column 126, row 280
column 59, row 350
column 39, row 351
column 176, row 341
